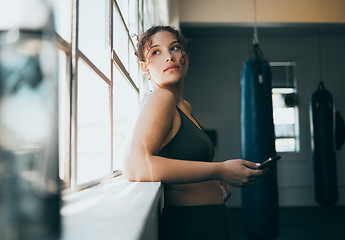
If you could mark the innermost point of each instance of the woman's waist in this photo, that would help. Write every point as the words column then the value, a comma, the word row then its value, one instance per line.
column 203, row 193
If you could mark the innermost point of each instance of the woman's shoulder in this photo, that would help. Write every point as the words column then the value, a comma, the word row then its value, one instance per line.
column 159, row 100
column 188, row 106
column 162, row 94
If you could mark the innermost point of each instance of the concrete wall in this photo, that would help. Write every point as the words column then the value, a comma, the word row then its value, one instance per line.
column 212, row 86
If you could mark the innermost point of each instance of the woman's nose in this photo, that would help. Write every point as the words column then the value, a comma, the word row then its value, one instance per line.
column 170, row 58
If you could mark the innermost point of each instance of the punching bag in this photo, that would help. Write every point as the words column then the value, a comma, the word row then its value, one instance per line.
column 259, row 201
column 339, row 130
column 323, row 146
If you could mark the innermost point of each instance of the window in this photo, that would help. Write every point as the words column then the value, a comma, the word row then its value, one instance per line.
column 99, row 84
column 285, row 106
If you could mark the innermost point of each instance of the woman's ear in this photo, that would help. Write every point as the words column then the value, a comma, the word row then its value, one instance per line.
column 145, row 69
column 143, row 66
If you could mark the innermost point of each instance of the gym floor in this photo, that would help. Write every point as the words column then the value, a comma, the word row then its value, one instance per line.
column 297, row 223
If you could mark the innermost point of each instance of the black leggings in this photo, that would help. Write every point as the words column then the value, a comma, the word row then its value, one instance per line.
column 206, row 222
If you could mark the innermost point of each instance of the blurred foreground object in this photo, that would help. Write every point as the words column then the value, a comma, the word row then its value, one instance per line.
column 29, row 182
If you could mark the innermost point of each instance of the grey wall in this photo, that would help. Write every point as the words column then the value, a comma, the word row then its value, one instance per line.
column 212, row 86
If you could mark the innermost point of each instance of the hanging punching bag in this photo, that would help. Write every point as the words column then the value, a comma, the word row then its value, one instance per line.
column 323, row 146
column 339, row 130
column 259, row 201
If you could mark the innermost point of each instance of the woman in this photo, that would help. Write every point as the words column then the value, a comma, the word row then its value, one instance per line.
column 170, row 146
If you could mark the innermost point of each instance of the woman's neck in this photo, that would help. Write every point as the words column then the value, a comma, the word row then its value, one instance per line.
column 177, row 90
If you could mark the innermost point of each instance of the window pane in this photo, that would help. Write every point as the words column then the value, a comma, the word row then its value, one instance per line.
column 62, row 18
column 63, row 113
column 141, row 16
column 285, row 121
column 93, row 126
column 94, row 37
column 125, row 108
column 134, row 67
column 284, row 76
column 123, row 5
column 149, row 17
column 286, row 145
column 120, row 39
column 284, row 130
column 133, row 17
column 284, row 115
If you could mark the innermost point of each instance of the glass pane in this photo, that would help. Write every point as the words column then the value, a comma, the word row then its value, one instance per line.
column 283, row 115
column 134, row 67
column 123, row 5
column 62, row 16
column 93, row 126
column 63, row 113
column 282, row 76
column 285, row 121
column 286, row 145
column 151, row 6
column 133, row 17
column 120, row 39
column 94, row 37
column 148, row 14
column 125, row 109
column 284, row 130
column 141, row 16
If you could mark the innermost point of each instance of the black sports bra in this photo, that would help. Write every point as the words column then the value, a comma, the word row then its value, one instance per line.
column 189, row 143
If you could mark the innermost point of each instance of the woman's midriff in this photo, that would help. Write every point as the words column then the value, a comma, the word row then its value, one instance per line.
column 203, row 193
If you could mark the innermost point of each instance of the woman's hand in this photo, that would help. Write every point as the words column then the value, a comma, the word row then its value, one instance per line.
column 239, row 172
column 226, row 191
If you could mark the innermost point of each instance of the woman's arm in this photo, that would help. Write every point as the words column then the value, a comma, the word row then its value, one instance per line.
column 154, row 124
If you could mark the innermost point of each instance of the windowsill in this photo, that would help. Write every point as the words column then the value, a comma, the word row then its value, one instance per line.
column 114, row 209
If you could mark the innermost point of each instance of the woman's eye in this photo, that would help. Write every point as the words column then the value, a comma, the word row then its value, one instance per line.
column 153, row 52
column 175, row 48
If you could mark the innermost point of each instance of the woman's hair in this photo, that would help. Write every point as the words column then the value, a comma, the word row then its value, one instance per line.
column 145, row 41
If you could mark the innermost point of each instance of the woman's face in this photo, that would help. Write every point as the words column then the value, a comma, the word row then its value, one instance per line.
column 165, row 63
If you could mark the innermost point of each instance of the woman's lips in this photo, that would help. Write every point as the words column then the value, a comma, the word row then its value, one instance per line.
column 171, row 67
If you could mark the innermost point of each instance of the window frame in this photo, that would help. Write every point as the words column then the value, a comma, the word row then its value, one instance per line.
column 68, row 159
column 293, row 85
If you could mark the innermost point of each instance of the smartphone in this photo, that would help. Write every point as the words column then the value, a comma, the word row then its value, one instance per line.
column 268, row 162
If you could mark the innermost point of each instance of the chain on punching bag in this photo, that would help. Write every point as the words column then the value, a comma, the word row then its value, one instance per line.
column 259, row 201
column 323, row 146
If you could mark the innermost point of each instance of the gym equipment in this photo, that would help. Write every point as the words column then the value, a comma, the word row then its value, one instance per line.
column 322, row 116
column 259, row 201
